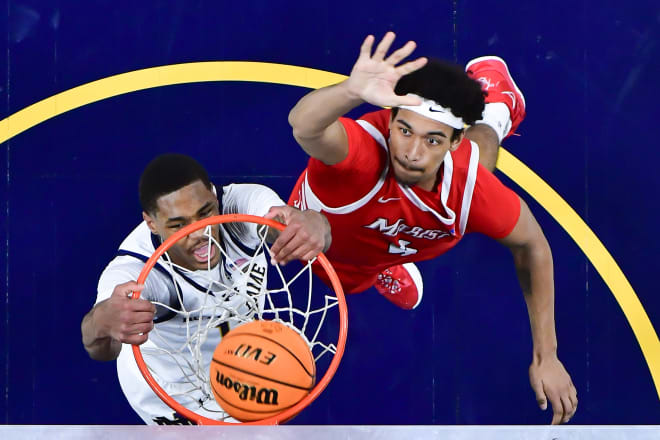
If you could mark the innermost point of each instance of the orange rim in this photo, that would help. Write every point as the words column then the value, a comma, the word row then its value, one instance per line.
column 320, row 386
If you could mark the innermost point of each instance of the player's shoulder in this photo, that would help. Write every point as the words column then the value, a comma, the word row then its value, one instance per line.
column 240, row 189
column 379, row 119
column 249, row 198
column 245, row 191
column 466, row 154
column 133, row 251
column 139, row 239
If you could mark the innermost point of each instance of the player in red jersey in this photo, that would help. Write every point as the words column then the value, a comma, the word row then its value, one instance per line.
column 407, row 184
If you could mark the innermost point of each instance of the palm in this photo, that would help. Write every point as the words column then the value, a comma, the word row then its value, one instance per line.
column 374, row 77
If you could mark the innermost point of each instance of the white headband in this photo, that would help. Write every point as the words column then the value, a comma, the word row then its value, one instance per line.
column 435, row 111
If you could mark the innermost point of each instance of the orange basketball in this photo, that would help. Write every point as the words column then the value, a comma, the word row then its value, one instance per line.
column 260, row 369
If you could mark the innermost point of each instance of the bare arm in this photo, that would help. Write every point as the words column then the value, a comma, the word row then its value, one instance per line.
column 533, row 261
column 119, row 319
column 314, row 119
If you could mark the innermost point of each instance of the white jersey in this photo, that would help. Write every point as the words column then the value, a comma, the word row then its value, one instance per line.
column 196, row 293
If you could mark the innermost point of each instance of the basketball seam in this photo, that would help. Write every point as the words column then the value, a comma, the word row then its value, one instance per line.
column 283, row 346
column 265, row 377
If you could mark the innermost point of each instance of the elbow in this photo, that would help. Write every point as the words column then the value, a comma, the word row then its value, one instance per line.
column 294, row 120
column 302, row 130
column 303, row 136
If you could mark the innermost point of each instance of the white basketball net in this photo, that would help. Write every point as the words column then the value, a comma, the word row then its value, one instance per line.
column 180, row 348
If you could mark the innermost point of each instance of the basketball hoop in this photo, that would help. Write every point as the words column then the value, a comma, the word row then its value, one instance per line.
column 321, row 319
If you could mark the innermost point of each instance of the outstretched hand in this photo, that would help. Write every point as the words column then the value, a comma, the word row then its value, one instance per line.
column 307, row 233
column 551, row 382
column 374, row 77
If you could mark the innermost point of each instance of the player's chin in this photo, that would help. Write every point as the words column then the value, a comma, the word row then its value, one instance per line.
column 408, row 179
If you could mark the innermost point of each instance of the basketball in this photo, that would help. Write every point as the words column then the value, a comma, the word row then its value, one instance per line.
column 260, row 369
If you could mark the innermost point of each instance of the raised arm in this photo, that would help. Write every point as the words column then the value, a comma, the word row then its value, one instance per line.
column 116, row 320
column 315, row 118
column 533, row 261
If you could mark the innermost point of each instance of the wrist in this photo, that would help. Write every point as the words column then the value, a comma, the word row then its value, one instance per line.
column 96, row 322
column 540, row 354
column 351, row 93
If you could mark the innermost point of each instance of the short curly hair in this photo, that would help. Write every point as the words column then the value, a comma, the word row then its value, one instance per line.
column 168, row 173
column 448, row 85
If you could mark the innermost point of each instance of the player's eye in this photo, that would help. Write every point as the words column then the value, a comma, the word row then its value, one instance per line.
column 405, row 131
column 175, row 226
column 433, row 141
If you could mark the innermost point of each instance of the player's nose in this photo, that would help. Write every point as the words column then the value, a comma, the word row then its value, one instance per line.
column 196, row 235
column 413, row 153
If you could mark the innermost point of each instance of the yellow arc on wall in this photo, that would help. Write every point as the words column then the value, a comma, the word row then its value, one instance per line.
column 128, row 82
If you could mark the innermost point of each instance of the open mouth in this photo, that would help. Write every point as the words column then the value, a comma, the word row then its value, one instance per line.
column 204, row 253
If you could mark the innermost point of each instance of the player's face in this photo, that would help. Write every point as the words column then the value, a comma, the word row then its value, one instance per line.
column 180, row 208
column 417, row 148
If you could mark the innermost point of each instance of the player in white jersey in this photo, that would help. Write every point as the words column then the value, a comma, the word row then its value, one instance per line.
column 175, row 191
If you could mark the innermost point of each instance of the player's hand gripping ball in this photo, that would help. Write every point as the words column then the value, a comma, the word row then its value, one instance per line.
column 260, row 369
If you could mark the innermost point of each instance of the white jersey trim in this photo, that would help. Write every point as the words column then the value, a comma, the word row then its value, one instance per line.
column 470, row 183
column 311, row 201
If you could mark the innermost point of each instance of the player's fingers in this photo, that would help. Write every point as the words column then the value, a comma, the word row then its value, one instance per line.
column 573, row 389
column 141, row 305
column 302, row 243
column 141, row 317
column 411, row 66
column 275, row 212
column 128, row 332
column 303, row 253
column 293, row 250
column 127, row 288
column 365, row 49
column 136, row 339
column 383, row 46
column 541, row 398
column 124, row 330
column 401, row 53
column 405, row 100
column 145, row 327
column 310, row 255
column 557, row 410
column 572, row 396
column 568, row 409
column 282, row 241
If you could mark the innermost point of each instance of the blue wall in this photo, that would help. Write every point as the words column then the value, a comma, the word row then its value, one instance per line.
column 69, row 195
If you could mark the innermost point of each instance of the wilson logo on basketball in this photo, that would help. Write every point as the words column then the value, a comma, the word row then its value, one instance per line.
column 246, row 351
column 265, row 396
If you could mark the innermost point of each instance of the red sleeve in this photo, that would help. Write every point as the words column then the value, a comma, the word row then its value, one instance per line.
column 347, row 181
column 495, row 208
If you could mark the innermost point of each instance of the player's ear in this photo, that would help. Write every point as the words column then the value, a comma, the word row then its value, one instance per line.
column 456, row 142
column 151, row 224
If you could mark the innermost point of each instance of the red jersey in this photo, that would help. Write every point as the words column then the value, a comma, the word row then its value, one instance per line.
column 378, row 222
